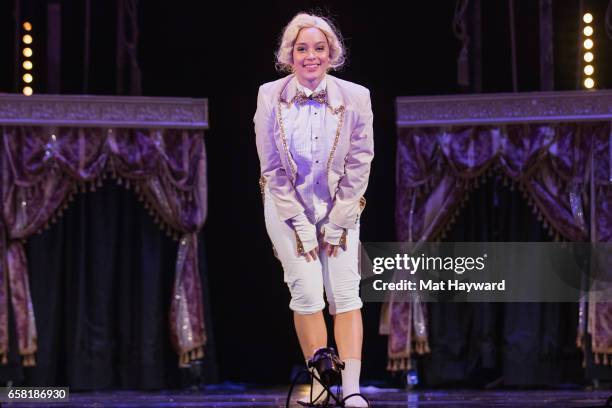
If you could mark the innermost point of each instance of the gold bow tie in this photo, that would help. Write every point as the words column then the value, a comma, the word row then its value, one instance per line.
column 321, row 97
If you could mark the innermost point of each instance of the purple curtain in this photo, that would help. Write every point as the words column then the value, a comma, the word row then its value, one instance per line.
column 437, row 168
column 599, row 323
column 43, row 169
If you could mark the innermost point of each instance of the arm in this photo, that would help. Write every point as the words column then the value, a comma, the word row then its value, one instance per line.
column 272, row 170
column 352, row 186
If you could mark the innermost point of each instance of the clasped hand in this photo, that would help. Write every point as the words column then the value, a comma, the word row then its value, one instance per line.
column 330, row 237
column 330, row 250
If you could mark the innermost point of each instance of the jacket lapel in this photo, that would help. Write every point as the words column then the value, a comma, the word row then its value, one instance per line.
column 333, row 121
column 334, row 95
column 286, row 94
column 288, row 90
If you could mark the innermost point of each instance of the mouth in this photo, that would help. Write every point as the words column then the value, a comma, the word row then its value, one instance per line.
column 311, row 67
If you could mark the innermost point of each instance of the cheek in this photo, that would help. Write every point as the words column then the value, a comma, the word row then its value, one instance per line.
column 295, row 64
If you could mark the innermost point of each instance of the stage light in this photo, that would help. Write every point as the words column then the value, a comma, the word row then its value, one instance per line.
column 27, row 65
column 589, row 46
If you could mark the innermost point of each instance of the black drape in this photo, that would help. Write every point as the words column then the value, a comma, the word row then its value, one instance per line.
column 510, row 344
column 101, row 281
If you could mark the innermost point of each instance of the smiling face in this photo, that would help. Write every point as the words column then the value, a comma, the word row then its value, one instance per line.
column 310, row 57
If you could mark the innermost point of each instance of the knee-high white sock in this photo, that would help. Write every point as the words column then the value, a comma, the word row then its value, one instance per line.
column 350, row 383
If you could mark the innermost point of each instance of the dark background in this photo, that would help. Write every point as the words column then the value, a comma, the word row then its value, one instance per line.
column 223, row 51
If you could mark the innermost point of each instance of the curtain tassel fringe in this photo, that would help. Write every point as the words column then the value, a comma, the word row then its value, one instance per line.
column 29, row 360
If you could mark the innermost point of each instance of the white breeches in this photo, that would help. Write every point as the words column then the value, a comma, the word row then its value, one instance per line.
column 338, row 275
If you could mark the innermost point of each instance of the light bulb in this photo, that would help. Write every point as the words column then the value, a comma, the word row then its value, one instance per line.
column 589, row 83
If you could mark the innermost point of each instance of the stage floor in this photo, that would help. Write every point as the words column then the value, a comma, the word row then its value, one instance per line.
column 237, row 396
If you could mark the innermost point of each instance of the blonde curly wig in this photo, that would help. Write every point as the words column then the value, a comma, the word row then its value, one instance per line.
column 284, row 53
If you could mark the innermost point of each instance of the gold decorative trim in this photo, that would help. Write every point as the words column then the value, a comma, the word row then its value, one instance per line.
column 299, row 245
column 474, row 183
column 399, row 364
column 29, row 360
column 342, row 242
column 279, row 117
column 403, row 361
column 194, row 354
column 602, row 358
column 262, row 188
column 92, row 185
column 340, row 110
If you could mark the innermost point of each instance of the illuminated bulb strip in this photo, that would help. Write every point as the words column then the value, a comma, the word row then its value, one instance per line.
column 27, row 52
column 588, row 44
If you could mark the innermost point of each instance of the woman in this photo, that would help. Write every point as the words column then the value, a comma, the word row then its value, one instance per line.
column 315, row 146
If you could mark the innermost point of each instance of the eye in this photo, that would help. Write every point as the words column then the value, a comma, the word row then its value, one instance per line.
column 300, row 49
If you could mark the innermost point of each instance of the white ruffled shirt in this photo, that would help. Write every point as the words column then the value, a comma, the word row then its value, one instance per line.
column 310, row 148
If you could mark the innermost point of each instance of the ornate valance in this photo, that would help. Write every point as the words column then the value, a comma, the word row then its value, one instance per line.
column 554, row 146
column 52, row 147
